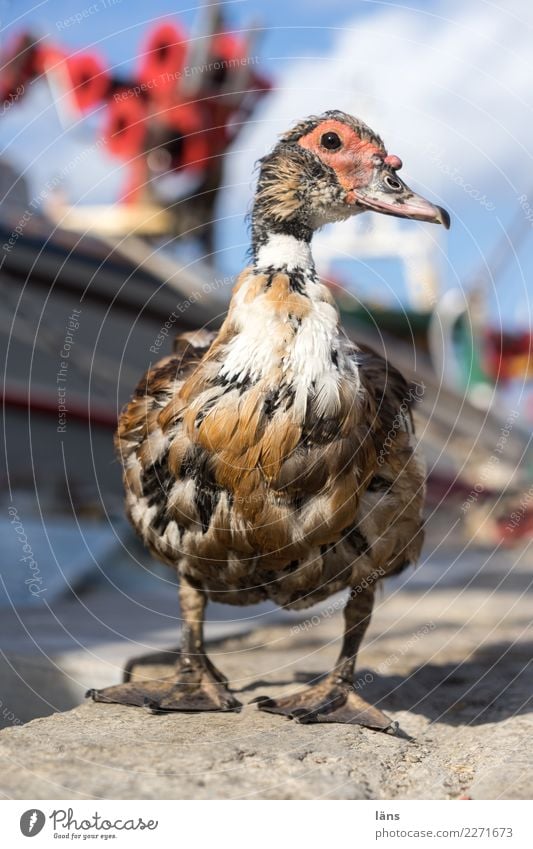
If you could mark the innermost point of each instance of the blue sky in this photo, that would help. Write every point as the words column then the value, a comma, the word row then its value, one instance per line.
column 468, row 127
column 118, row 23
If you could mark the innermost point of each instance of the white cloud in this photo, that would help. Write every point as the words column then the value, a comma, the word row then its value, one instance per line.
column 449, row 91
column 462, row 81
column 449, row 88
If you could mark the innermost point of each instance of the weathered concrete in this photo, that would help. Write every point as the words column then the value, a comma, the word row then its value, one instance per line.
column 449, row 659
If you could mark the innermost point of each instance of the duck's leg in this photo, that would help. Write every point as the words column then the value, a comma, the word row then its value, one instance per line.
column 196, row 684
column 334, row 699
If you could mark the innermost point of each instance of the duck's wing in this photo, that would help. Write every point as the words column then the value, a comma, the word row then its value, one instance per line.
column 392, row 394
column 137, row 427
column 390, row 512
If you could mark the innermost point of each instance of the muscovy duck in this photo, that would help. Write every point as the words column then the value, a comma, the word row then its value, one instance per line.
column 276, row 459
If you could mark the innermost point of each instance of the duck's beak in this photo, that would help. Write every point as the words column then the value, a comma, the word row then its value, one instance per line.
column 388, row 194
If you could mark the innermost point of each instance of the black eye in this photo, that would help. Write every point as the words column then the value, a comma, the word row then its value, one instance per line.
column 392, row 183
column 330, row 141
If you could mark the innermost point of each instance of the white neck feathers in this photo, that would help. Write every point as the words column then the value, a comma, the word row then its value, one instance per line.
column 284, row 251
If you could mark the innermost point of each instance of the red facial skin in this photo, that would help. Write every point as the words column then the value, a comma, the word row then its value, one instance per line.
column 361, row 167
column 354, row 162
column 393, row 162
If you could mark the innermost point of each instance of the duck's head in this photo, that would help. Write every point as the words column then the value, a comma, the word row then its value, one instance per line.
column 326, row 169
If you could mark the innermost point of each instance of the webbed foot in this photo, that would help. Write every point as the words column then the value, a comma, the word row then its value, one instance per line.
column 195, row 686
column 331, row 700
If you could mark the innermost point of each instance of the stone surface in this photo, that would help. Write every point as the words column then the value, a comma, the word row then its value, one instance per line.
column 53, row 651
column 447, row 657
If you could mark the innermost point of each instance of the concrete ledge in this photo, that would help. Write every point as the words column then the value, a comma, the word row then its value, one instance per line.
column 461, row 692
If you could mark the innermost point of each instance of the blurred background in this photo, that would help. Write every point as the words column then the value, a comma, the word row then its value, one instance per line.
column 128, row 137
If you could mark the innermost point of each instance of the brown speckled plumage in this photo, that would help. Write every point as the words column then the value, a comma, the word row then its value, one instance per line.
column 275, row 459
column 227, row 484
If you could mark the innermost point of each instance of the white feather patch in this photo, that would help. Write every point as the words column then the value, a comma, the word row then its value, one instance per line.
column 156, row 442
column 286, row 251
column 264, row 343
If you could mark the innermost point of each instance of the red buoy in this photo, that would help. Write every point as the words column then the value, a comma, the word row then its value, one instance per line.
column 89, row 79
column 125, row 130
column 178, row 129
column 163, row 58
column 49, row 58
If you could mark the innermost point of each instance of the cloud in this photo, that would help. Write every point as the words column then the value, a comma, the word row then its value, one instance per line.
column 460, row 80
column 449, row 90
